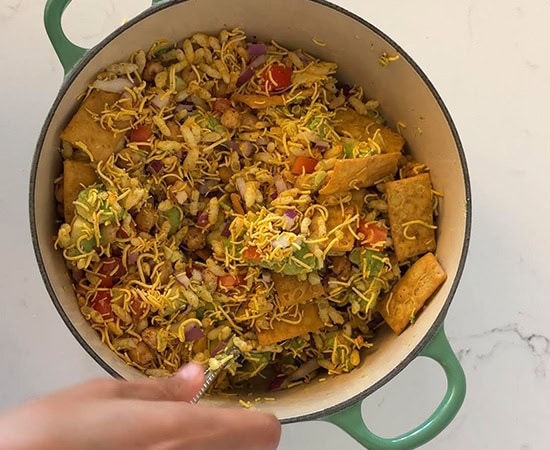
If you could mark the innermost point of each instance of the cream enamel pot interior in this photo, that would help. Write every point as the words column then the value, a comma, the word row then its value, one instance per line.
column 405, row 95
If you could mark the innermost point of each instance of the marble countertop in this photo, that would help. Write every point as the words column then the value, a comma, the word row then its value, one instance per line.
column 489, row 63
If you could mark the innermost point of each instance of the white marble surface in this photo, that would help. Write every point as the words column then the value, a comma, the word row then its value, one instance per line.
column 489, row 61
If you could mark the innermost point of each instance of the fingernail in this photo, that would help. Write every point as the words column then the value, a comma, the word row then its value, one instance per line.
column 191, row 371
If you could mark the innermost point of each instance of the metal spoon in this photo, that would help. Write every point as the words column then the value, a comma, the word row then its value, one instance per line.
column 230, row 354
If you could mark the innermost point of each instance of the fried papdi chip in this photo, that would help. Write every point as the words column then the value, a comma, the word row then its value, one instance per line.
column 363, row 128
column 292, row 291
column 335, row 219
column 411, row 216
column 84, row 129
column 76, row 176
column 320, row 228
column 282, row 331
column 360, row 172
column 358, row 199
column 411, row 292
column 258, row 101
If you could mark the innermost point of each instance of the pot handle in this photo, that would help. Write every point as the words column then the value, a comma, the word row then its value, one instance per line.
column 351, row 421
column 68, row 53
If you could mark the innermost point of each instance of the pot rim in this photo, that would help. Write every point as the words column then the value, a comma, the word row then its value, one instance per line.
column 91, row 53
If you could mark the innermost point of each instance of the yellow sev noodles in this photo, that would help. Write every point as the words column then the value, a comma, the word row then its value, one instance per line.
column 173, row 250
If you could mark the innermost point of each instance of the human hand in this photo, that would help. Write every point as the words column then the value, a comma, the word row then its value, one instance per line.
column 144, row 415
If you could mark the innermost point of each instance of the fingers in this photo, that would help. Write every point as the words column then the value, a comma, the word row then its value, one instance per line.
column 199, row 427
column 185, row 384
column 180, row 387
column 173, row 424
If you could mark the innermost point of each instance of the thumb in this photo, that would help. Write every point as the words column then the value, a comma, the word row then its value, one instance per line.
column 186, row 383
column 182, row 386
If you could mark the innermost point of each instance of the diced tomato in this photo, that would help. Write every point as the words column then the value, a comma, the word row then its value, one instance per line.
column 251, row 254
column 221, row 105
column 142, row 133
column 304, row 164
column 137, row 308
column 372, row 235
column 112, row 267
column 277, row 77
column 229, row 281
column 106, row 281
column 101, row 302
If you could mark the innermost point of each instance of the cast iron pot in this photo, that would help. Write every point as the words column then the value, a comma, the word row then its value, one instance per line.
column 405, row 94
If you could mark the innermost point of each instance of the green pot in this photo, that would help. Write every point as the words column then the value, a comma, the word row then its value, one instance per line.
column 405, row 94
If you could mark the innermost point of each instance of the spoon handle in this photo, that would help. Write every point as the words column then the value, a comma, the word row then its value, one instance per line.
column 211, row 375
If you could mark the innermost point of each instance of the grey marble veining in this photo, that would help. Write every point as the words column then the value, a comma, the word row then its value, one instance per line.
column 9, row 8
column 483, row 346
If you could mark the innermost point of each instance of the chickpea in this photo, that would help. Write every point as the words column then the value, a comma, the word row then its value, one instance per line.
column 341, row 266
column 195, row 239
column 146, row 219
column 231, row 118
column 149, row 336
column 152, row 68
column 225, row 173
column 142, row 354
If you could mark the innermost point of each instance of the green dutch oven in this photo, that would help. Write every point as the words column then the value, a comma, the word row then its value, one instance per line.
column 405, row 94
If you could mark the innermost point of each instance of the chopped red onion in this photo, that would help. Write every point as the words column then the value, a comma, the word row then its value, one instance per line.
column 290, row 217
column 161, row 100
column 289, row 222
column 257, row 62
column 257, row 49
column 246, row 148
column 226, row 229
column 248, row 72
column 206, row 186
column 282, row 242
column 280, row 184
column 132, row 257
column 306, row 59
column 232, row 145
column 241, row 186
column 202, row 219
column 291, row 213
column 322, row 145
column 186, row 106
column 118, row 85
column 277, row 382
column 156, row 165
column 245, row 76
column 196, row 275
column 197, row 101
column 193, row 332
column 304, row 370
column 183, row 279
column 281, row 381
column 125, row 95
column 218, row 348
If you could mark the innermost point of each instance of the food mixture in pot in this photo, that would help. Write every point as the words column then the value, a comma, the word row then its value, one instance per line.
column 222, row 192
